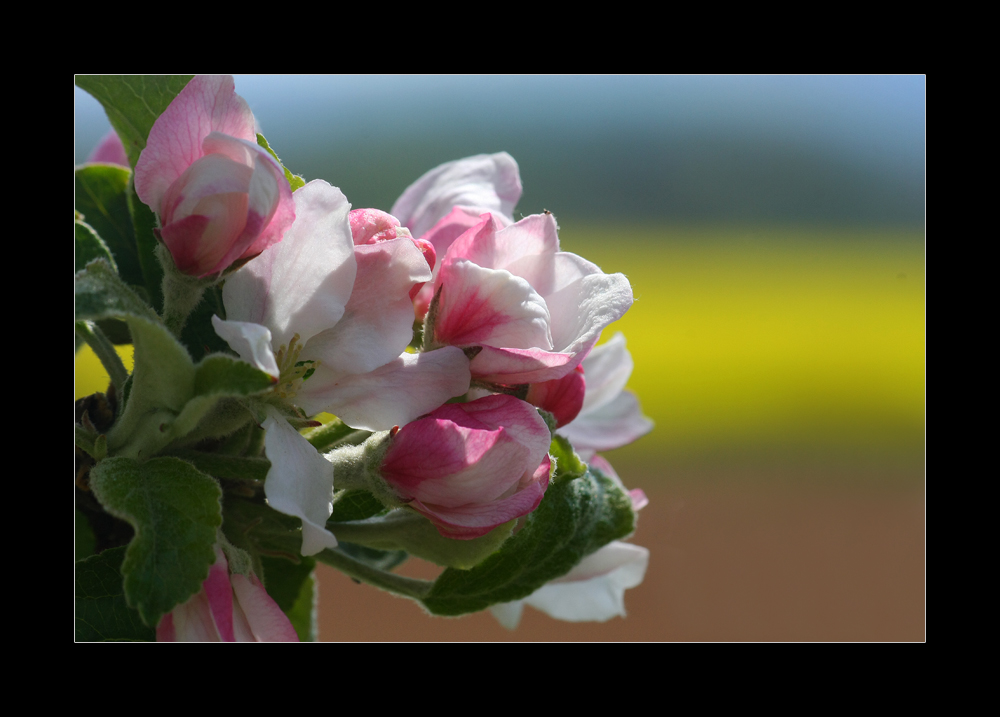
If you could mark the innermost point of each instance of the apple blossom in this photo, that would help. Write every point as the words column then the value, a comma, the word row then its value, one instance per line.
column 528, row 312
column 470, row 467
column 228, row 608
column 219, row 196
column 330, row 319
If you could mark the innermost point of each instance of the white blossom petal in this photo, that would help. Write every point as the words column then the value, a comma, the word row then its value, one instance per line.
column 615, row 424
column 607, row 368
column 301, row 284
column 299, row 483
column 251, row 341
column 483, row 183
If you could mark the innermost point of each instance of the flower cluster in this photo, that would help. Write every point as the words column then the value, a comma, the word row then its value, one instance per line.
column 451, row 342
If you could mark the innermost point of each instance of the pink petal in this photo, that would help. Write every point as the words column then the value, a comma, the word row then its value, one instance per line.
column 483, row 183
column 266, row 620
column 472, row 521
column 562, row 397
column 207, row 104
column 220, row 596
column 441, row 237
column 489, row 307
column 270, row 209
column 110, row 151
column 464, row 466
column 514, row 366
column 520, row 420
column 183, row 239
column 370, row 226
column 495, row 247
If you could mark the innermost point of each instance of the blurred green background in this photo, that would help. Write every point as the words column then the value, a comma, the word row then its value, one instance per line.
column 773, row 232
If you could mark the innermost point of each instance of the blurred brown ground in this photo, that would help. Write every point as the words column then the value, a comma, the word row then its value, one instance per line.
column 810, row 553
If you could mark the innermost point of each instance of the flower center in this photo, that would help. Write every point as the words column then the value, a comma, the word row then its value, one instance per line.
column 292, row 372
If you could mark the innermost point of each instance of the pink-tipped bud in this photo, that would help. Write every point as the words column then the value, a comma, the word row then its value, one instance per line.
column 370, row 226
column 470, row 467
column 427, row 249
column 220, row 196
column 110, row 151
column 228, row 608
column 562, row 397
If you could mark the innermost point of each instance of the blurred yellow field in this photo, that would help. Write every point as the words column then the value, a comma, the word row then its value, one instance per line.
column 752, row 337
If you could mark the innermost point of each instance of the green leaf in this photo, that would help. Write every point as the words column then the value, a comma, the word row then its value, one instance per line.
column 171, row 396
column 101, row 294
column 162, row 385
column 294, row 180
column 226, row 466
column 568, row 463
column 133, row 103
column 355, row 505
column 216, row 378
column 304, row 614
column 89, row 246
column 85, row 541
column 223, row 375
column 577, row 516
column 175, row 511
column 260, row 530
column 198, row 334
column 102, row 613
column 293, row 587
column 101, row 196
column 405, row 530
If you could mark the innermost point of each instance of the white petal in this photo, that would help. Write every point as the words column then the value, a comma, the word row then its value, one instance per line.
column 581, row 309
column 483, row 183
column 301, row 284
column 606, row 369
column 508, row 614
column 299, row 483
column 378, row 321
column 595, row 589
column 392, row 395
column 251, row 341
column 614, row 425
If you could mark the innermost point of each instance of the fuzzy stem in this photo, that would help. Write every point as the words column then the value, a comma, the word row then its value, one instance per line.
column 396, row 584
column 181, row 293
column 105, row 350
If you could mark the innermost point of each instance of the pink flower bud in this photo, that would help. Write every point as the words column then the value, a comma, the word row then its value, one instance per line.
column 229, row 608
column 110, row 151
column 219, row 195
column 470, row 467
column 370, row 226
